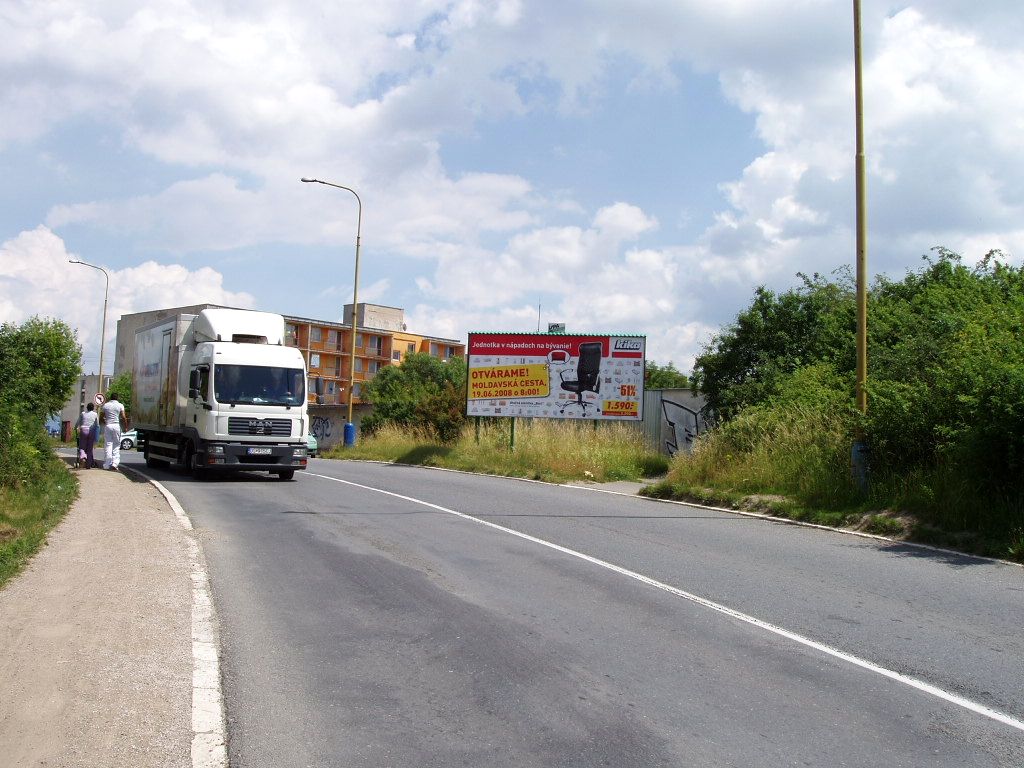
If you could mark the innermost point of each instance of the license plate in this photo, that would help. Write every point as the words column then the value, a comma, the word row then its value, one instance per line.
column 259, row 451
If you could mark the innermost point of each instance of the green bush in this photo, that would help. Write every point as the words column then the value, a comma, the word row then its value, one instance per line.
column 423, row 393
column 25, row 450
column 945, row 419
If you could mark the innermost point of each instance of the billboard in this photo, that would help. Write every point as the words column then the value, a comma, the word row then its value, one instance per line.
column 555, row 376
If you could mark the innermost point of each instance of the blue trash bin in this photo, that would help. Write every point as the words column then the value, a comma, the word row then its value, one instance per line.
column 350, row 433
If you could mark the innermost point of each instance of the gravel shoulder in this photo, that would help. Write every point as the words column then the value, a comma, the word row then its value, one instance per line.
column 95, row 636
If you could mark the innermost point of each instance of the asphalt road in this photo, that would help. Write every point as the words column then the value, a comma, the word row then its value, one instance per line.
column 368, row 628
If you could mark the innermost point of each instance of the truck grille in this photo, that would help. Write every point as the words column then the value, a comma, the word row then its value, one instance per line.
column 240, row 425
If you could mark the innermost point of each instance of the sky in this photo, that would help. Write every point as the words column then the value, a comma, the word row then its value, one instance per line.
column 621, row 167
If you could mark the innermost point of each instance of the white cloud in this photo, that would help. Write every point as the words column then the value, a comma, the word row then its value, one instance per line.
column 235, row 103
column 36, row 279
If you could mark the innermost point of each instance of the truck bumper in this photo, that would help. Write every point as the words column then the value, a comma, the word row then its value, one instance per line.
column 256, row 457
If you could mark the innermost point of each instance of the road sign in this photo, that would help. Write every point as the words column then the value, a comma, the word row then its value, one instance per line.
column 99, row 398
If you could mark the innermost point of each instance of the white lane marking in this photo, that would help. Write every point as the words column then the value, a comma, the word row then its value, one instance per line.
column 920, row 685
column 209, row 734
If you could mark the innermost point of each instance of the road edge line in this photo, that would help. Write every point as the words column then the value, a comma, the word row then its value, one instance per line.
column 209, row 731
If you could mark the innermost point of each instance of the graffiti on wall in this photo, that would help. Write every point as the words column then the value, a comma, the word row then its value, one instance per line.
column 684, row 426
column 320, row 427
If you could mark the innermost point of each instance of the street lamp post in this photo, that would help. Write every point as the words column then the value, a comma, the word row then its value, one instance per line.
column 103, row 332
column 350, row 428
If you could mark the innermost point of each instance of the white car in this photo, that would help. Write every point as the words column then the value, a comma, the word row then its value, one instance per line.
column 128, row 440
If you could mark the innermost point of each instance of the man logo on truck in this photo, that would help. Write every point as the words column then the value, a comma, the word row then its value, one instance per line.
column 257, row 427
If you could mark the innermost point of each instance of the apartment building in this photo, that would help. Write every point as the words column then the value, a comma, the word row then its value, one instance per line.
column 381, row 339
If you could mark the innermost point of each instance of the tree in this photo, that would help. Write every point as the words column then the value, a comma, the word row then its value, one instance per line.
column 39, row 363
column 122, row 385
column 747, row 363
column 664, row 376
column 423, row 392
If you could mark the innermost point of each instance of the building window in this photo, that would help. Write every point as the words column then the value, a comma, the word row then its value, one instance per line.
column 291, row 334
column 433, row 349
column 359, row 365
column 373, row 366
column 314, row 360
column 377, row 344
column 332, row 338
column 411, row 348
column 359, row 340
column 337, row 366
column 449, row 352
column 330, row 387
column 315, row 334
column 396, row 355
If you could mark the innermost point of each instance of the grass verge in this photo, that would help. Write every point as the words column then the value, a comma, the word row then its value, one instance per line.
column 795, row 465
column 553, row 451
column 28, row 512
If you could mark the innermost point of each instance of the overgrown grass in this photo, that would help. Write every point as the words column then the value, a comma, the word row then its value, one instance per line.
column 794, row 462
column 801, row 453
column 553, row 451
column 29, row 511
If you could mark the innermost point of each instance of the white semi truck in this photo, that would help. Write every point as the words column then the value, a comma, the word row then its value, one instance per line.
column 220, row 391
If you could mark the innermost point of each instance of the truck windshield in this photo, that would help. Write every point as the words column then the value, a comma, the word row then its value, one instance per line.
column 259, row 385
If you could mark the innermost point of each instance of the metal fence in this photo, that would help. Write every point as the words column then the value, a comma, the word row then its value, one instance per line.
column 672, row 419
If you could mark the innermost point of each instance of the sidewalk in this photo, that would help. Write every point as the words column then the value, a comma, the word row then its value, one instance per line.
column 95, row 636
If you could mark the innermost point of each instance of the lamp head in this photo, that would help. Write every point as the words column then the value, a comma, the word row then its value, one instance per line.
column 308, row 180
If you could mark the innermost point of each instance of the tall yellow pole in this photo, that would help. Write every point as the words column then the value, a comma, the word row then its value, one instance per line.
column 862, row 223
column 859, row 452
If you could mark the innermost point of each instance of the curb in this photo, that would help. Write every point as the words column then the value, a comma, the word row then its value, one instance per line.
column 209, row 731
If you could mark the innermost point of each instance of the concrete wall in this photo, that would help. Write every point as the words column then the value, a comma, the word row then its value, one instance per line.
column 327, row 422
column 375, row 316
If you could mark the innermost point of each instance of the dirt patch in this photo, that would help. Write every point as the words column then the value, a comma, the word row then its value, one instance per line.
column 7, row 532
column 762, row 503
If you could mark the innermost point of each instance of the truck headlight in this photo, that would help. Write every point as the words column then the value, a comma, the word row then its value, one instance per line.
column 217, row 449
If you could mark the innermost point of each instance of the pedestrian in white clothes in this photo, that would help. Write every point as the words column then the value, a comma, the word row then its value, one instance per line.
column 113, row 417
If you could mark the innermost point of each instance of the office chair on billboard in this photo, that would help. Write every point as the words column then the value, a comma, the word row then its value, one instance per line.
column 588, row 377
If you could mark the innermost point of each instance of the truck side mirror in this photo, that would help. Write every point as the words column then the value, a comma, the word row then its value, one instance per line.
column 193, row 393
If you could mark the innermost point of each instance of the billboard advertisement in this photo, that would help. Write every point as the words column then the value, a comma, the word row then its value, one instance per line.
column 555, row 376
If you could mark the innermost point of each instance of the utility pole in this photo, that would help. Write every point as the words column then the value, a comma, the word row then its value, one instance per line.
column 859, row 453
